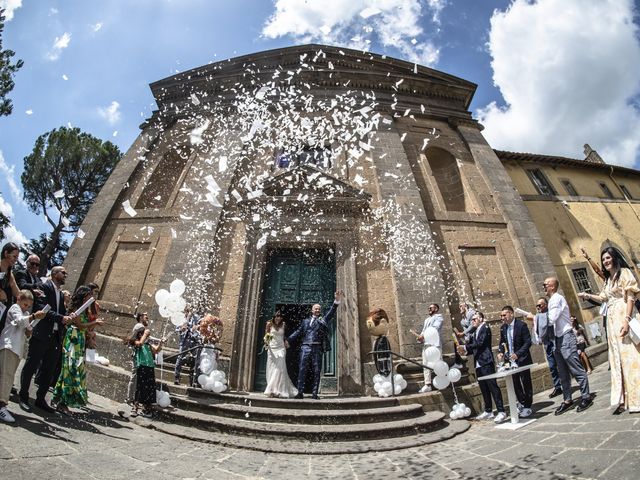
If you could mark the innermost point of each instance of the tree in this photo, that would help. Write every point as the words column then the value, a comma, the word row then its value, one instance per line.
column 39, row 245
column 7, row 71
column 4, row 223
column 61, row 179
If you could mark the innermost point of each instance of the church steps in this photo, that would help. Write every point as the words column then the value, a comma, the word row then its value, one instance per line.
column 300, row 416
column 314, row 446
column 430, row 421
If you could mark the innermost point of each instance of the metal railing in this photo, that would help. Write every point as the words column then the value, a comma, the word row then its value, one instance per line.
column 391, row 354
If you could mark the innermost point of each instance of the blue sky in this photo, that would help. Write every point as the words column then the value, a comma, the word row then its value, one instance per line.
column 552, row 74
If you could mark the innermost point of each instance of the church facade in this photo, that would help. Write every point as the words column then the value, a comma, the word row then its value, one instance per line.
column 268, row 181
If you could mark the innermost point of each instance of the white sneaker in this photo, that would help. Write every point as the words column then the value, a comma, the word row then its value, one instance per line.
column 5, row 416
column 485, row 416
column 519, row 407
column 525, row 412
column 425, row 389
column 500, row 417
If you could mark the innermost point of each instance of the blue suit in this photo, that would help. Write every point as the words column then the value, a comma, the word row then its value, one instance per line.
column 479, row 345
column 521, row 345
column 312, row 335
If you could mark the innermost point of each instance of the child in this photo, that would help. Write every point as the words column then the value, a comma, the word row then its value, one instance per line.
column 17, row 328
column 145, row 368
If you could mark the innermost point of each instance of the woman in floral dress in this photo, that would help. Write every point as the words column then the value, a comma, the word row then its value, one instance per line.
column 71, row 388
column 620, row 292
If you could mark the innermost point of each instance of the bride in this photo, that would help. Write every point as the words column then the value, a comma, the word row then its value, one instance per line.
column 278, row 382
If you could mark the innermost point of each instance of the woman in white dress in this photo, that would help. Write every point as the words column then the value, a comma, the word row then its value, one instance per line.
column 278, row 382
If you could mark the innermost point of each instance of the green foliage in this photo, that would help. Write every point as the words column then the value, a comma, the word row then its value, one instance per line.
column 75, row 162
column 4, row 223
column 7, row 71
column 39, row 245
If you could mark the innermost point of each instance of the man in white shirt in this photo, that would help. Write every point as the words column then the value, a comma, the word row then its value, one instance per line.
column 566, row 350
column 434, row 320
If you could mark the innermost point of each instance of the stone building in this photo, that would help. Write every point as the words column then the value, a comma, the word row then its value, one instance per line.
column 268, row 181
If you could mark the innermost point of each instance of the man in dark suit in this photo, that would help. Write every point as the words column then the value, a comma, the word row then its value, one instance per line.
column 46, row 341
column 28, row 279
column 515, row 342
column 479, row 344
column 312, row 334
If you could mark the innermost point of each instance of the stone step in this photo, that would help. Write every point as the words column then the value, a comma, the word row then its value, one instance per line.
column 260, row 400
column 449, row 429
column 298, row 416
column 428, row 422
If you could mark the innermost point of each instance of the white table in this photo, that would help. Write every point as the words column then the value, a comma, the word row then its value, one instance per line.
column 516, row 421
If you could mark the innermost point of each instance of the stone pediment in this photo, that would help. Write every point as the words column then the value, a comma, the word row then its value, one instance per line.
column 306, row 182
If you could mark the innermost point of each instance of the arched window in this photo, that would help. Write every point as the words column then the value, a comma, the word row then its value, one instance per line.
column 444, row 168
column 163, row 180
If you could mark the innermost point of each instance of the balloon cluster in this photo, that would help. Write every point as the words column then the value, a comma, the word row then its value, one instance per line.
column 162, row 398
column 382, row 385
column 211, row 379
column 444, row 375
column 171, row 302
column 459, row 410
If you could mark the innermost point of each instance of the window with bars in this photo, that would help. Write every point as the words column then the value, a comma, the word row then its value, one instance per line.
column 626, row 192
column 568, row 186
column 581, row 277
column 317, row 156
column 541, row 182
column 606, row 190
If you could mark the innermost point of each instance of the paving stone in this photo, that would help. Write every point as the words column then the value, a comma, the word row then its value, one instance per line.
column 574, row 440
column 588, row 463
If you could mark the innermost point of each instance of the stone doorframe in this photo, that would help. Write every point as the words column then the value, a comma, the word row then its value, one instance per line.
column 335, row 233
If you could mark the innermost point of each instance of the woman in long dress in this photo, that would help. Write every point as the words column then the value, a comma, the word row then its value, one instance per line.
column 278, row 382
column 71, row 388
column 620, row 292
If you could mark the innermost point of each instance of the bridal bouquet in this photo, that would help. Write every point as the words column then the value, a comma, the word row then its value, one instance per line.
column 210, row 329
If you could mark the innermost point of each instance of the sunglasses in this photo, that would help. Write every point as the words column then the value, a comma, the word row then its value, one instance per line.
column 34, row 264
column 539, row 306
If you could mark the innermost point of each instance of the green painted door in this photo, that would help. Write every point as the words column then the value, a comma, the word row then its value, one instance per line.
column 294, row 281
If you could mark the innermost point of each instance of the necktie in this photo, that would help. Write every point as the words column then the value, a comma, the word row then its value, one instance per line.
column 510, row 337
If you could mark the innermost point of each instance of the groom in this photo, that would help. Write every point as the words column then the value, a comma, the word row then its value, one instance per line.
column 313, row 332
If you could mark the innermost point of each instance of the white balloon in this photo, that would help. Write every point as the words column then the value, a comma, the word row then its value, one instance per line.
column 441, row 368
column 202, row 379
column 209, row 384
column 161, row 296
column 377, row 378
column 377, row 387
column 386, row 386
column 177, row 286
column 403, row 384
column 440, row 382
column 431, row 336
column 432, row 354
column 172, row 302
column 218, row 387
column 458, row 406
column 467, row 412
column 397, row 389
column 177, row 318
column 454, row 375
column 164, row 311
column 397, row 378
column 163, row 400
column 206, row 366
column 182, row 303
column 452, row 415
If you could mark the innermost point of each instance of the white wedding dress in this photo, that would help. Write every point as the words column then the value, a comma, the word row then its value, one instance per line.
column 278, row 382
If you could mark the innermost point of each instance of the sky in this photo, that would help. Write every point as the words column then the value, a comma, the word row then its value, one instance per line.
column 552, row 75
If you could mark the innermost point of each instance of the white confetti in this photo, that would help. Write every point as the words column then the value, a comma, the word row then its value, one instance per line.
column 59, row 193
column 370, row 12
column 80, row 233
column 129, row 210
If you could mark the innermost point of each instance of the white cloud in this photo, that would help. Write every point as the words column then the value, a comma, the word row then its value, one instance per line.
column 111, row 113
column 9, row 175
column 11, row 233
column 358, row 23
column 568, row 71
column 59, row 44
column 10, row 6
column 96, row 27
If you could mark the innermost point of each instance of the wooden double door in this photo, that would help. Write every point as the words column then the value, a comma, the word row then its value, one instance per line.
column 294, row 281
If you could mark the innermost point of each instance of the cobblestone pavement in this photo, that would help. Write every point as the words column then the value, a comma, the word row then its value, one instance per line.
column 99, row 444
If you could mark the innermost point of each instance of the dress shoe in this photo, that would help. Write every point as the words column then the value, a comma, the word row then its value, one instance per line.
column 24, row 404
column 43, row 405
column 555, row 392
column 584, row 404
column 14, row 391
column 315, row 397
column 299, row 396
column 563, row 408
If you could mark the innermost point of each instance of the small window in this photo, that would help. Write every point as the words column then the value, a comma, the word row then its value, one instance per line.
column 582, row 280
column 606, row 190
column 569, row 188
column 540, row 181
column 626, row 192
column 319, row 157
